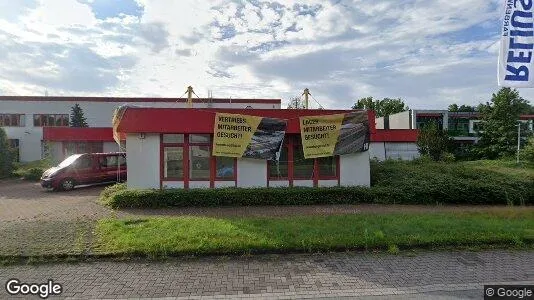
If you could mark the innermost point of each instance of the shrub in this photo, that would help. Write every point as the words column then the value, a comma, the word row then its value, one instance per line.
column 395, row 182
column 110, row 190
column 527, row 153
column 33, row 170
column 32, row 174
column 6, row 155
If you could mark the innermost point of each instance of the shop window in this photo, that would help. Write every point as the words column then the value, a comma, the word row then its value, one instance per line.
column 302, row 168
column 82, row 147
column 173, row 138
column 199, row 158
column 173, row 166
column 327, row 166
column 225, row 167
column 12, row 120
column 199, row 138
column 40, row 120
column 279, row 169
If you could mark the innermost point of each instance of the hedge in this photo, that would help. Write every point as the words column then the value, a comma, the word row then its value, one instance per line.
column 392, row 183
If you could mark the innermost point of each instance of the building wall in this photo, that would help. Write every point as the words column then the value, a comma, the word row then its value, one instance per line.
column 377, row 151
column 400, row 120
column 98, row 114
column 143, row 157
column 251, row 173
column 403, row 151
column 355, row 169
column 380, row 123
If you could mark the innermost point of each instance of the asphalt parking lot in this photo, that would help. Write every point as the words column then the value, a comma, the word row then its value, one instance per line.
column 27, row 201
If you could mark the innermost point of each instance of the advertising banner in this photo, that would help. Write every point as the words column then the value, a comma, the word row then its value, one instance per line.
column 337, row 134
column 238, row 135
column 517, row 44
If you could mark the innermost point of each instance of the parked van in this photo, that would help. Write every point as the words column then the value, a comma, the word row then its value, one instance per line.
column 83, row 169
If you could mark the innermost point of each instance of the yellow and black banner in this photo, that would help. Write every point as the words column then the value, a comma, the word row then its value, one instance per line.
column 337, row 134
column 238, row 135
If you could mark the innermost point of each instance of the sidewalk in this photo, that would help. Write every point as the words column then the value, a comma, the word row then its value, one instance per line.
column 437, row 275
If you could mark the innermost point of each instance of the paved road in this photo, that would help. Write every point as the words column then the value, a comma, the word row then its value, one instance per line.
column 23, row 201
column 441, row 275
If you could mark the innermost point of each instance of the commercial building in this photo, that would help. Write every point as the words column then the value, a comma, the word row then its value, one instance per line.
column 172, row 148
column 38, row 126
column 463, row 127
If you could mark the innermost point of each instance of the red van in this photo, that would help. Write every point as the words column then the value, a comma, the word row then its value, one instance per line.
column 84, row 169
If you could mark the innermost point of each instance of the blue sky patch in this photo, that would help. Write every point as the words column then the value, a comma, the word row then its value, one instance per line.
column 104, row 9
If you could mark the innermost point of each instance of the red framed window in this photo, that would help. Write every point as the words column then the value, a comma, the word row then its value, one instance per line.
column 293, row 166
column 57, row 120
column 225, row 168
column 200, row 157
column 279, row 170
column 12, row 120
column 173, row 156
column 188, row 157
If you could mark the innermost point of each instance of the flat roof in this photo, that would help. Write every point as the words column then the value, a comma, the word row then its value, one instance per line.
column 137, row 99
column 201, row 120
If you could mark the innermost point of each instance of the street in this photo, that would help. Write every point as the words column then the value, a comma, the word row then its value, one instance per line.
column 438, row 275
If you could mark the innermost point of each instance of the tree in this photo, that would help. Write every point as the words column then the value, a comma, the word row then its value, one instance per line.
column 296, row 103
column 463, row 108
column 499, row 120
column 433, row 142
column 77, row 118
column 382, row 108
column 453, row 107
column 6, row 155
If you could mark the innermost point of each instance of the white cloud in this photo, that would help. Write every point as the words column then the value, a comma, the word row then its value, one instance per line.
column 427, row 52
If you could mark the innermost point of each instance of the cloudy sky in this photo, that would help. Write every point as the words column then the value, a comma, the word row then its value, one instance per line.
column 430, row 53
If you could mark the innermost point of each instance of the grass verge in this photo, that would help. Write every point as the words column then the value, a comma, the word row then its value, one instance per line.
column 170, row 236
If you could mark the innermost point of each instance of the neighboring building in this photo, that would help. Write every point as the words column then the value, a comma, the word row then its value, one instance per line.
column 24, row 118
column 462, row 126
column 171, row 148
column 394, row 144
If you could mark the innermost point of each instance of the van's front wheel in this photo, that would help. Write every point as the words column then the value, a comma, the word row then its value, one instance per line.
column 67, row 184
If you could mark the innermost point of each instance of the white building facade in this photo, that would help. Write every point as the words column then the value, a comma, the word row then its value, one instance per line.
column 23, row 118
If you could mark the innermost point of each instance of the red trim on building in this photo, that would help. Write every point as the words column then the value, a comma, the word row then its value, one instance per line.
column 136, row 99
column 150, row 120
column 88, row 134
column 395, row 135
column 526, row 117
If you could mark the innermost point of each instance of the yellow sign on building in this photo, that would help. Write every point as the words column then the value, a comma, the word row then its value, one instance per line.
column 233, row 133
column 320, row 134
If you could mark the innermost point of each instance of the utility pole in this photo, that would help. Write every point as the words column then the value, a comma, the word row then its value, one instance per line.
column 306, row 94
column 190, row 96
column 518, row 140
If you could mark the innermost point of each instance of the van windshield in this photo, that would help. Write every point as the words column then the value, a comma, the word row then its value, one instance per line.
column 68, row 161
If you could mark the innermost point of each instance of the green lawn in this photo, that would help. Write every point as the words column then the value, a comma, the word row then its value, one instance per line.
column 167, row 236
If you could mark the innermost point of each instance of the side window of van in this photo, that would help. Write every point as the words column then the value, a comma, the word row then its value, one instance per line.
column 108, row 161
column 84, row 162
column 111, row 161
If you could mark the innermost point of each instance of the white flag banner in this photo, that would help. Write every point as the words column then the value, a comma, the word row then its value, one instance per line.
column 516, row 61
